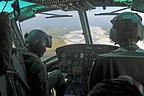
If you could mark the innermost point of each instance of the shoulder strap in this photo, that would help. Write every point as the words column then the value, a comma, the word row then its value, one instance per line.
column 25, row 52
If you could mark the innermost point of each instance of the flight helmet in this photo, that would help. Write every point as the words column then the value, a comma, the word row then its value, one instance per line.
column 126, row 26
column 37, row 41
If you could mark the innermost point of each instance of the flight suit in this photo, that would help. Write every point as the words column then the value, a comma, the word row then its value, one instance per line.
column 5, row 53
column 39, row 80
column 5, row 47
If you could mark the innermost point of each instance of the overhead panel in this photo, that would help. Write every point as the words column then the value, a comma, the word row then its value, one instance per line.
column 69, row 5
column 138, row 5
column 66, row 5
column 80, row 5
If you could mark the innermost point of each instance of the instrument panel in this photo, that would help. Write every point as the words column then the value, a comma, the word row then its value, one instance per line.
column 77, row 59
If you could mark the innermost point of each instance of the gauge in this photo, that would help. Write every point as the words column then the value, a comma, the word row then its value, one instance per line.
column 81, row 55
column 63, row 55
column 69, row 62
column 75, row 63
column 86, row 59
column 86, row 54
column 76, row 55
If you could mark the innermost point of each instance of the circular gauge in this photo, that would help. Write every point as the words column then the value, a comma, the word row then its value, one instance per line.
column 63, row 55
column 69, row 62
column 76, row 55
column 75, row 63
column 86, row 54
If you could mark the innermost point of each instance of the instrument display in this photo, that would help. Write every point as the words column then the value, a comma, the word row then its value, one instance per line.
column 77, row 59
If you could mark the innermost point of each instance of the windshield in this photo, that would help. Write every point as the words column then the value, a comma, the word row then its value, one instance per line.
column 61, row 28
column 67, row 30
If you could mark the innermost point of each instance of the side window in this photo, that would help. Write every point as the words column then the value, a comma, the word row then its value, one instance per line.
column 64, row 30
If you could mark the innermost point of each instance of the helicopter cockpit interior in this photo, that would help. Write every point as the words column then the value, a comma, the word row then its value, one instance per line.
column 74, row 60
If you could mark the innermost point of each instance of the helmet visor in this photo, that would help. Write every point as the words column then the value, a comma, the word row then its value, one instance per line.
column 49, row 41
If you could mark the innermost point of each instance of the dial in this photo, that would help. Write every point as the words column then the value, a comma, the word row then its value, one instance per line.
column 76, row 55
column 75, row 63
column 69, row 62
column 63, row 55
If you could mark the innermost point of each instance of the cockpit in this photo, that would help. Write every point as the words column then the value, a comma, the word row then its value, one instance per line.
column 80, row 32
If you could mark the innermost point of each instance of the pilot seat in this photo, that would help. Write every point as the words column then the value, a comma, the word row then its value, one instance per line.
column 112, row 65
column 14, row 81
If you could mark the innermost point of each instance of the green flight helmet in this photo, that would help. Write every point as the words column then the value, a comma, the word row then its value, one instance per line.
column 126, row 26
column 37, row 41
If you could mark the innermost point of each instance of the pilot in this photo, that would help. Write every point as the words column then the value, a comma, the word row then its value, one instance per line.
column 127, row 30
column 39, row 80
column 5, row 42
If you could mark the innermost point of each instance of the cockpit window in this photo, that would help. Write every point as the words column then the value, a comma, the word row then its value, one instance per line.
column 68, row 30
column 100, row 24
column 64, row 30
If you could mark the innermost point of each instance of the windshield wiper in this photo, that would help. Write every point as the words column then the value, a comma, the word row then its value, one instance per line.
column 111, row 13
column 56, row 15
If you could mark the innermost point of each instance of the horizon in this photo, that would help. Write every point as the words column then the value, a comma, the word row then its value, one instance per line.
column 40, row 20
